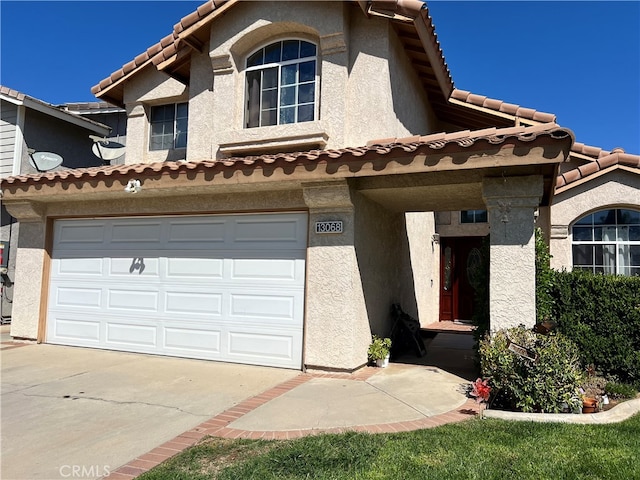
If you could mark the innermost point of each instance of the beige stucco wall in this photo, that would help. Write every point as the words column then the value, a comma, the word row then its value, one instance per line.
column 618, row 189
column 149, row 87
column 424, row 255
column 363, row 71
column 511, row 204
column 28, row 280
column 378, row 250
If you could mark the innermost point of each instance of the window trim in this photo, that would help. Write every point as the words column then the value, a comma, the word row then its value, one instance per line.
column 616, row 243
column 279, row 64
column 175, row 127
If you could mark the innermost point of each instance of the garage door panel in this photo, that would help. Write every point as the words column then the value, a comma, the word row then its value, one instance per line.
column 212, row 268
column 80, row 234
column 267, row 349
column 227, row 287
column 197, row 233
column 76, row 331
column 134, row 266
column 132, row 232
column 192, row 339
column 133, row 299
column 76, row 297
column 271, row 232
column 193, row 303
column 79, row 266
column 131, row 334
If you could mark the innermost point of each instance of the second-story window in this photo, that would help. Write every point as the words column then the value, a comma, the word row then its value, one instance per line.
column 169, row 126
column 281, row 84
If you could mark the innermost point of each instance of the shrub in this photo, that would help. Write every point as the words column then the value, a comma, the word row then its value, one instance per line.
column 548, row 384
column 601, row 315
column 620, row 390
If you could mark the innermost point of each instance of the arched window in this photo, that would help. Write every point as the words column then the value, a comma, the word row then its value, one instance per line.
column 281, row 84
column 608, row 241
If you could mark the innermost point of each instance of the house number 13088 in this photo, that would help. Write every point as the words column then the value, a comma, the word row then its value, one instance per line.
column 329, row 227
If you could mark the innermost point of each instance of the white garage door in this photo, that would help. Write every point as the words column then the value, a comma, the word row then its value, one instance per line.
column 227, row 287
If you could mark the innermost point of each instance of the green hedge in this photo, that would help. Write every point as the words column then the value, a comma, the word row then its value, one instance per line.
column 600, row 314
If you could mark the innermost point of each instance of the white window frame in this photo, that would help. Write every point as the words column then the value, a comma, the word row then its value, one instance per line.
column 279, row 65
column 176, row 132
column 613, row 249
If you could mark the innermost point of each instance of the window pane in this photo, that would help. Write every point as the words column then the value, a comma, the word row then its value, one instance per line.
column 269, row 117
column 253, row 98
column 605, row 217
column 582, row 234
column 588, row 220
column 634, row 234
column 307, row 50
column 307, row 71
column 156, row 143
column 287, row 115
column 182, row 110
column 634, row 255
column 269, row 99
column 256, row 59
column 628, row 217
column 623, row 234
column 582, row 255
column 305, row 113
column 157, row 129
column 289, row 74
column 181, row 140
column 306, row 93
column 466, row 216
column 272, row 53
column 481, row 216
column 288, row 96
column 270, row 78
column 635, row 271
column 290, row 50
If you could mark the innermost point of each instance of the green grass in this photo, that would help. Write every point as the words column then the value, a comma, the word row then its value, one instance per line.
column 477, row 449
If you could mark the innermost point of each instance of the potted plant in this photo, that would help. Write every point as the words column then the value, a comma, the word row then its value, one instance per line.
column 592, row 391
column 379, row 350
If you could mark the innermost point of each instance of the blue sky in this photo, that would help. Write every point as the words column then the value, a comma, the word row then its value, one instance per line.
column 577, row 59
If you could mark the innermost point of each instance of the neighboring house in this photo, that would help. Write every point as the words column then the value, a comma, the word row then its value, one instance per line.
column 292, row 170
column 27, row 125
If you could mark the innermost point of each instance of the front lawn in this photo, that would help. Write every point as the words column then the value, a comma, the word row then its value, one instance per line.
column 477, row 449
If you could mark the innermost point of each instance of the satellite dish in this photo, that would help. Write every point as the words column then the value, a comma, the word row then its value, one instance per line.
column 45, row 161
column 107, row 150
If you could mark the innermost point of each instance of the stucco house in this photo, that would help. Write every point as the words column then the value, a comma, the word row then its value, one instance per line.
column 28, row 124
column 292, row 170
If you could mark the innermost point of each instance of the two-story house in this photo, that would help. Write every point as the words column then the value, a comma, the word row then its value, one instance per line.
column 292, row 170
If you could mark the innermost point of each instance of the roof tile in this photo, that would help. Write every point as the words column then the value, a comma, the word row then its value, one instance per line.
column 436, row 141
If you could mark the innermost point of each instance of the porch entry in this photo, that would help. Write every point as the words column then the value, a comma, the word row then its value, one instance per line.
column 460, row 273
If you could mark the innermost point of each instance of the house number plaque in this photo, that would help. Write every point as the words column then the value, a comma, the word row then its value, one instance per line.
column 329, row 227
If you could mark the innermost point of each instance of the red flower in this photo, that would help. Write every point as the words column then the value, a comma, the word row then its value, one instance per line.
column 481, row 390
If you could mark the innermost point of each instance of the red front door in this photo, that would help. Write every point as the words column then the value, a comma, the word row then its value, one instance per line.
column 460, row 258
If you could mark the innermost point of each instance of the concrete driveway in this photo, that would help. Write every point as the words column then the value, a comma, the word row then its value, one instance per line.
column 80, row 413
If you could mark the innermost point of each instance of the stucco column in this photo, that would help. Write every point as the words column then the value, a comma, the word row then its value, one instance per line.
column 337, row 331
column 511, row 203
column 27, row 289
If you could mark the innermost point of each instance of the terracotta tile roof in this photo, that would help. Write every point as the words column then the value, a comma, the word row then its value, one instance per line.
column 502, row 107
column 390, row 148
column 601, row 160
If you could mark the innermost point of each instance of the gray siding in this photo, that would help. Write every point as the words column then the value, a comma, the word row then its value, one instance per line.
column 8, row 114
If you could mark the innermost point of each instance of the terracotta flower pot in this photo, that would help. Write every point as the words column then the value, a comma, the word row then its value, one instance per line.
column 589, row 405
